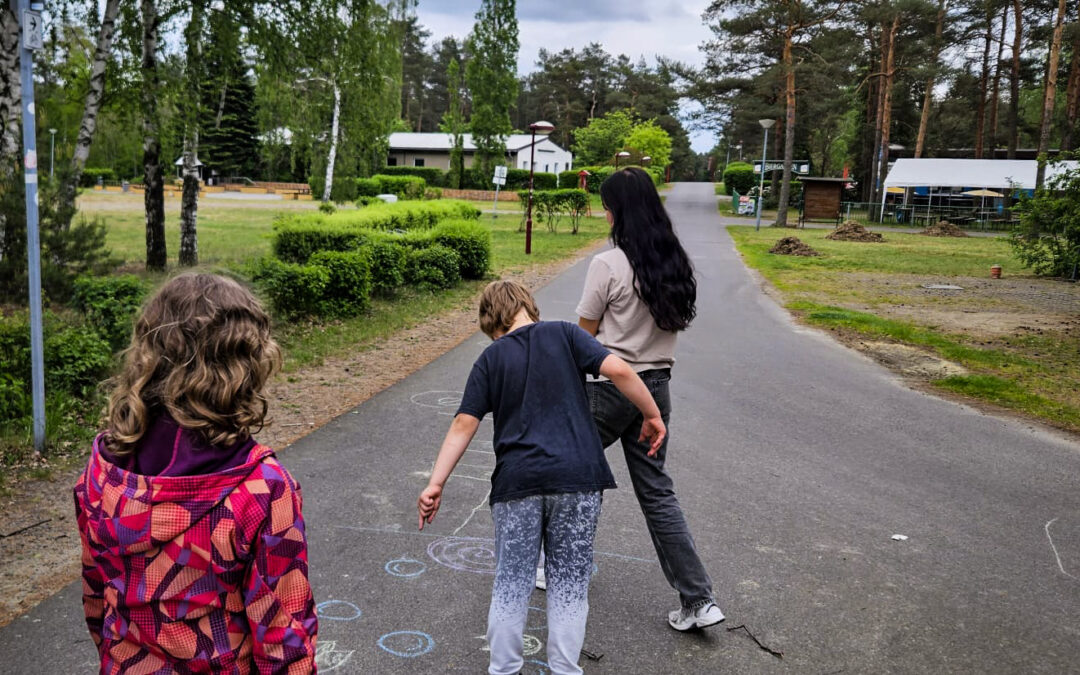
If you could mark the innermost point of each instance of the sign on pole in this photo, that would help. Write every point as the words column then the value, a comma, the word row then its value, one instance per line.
column 499, row 179
column 800, row 167
column 31, row 40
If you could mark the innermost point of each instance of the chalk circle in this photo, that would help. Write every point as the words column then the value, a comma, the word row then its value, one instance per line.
column 540, row 669
column 337, row 610
column 406, row 643
column 532, row 645
column 405, row 567
column 464, row 554
column 437, row 399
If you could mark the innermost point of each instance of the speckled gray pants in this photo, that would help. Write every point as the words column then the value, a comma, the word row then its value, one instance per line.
column 566, row 523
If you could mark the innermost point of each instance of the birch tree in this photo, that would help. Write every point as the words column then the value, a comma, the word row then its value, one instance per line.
column 153, row 170
column 10, row 92
column 189, row 204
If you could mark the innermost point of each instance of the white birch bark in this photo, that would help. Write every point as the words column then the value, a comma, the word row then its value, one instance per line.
column 333, row 144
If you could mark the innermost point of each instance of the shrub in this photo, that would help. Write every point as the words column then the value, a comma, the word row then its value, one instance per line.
column 110, row 304
column 405, row 187
column 739, row 177
column 387, row 261
column 296, row 242
column 551, row 205
column 76, row 359
column 471, row 241
column 294, row 290
column 431, row 175
column 518, row 179
column 432, row 268
column 90, row 176
column 433, row 193
column 348, row 291
column 368, row 187
column 327, row 207
column 1047, row 239
column 344, row 189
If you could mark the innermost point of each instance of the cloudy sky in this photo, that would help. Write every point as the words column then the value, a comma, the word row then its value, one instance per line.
column 636, row 28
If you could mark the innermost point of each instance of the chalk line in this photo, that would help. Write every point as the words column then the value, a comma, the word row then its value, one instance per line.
column 482, row 504
column 1058, row 557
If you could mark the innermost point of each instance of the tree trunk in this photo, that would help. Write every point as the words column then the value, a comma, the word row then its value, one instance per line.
column 995, row 93
column 189, row 203
column 789, row 129
column 879, row 116
column 91, row 108
column 153, row 171
column 10, row 92
column 928, row 96
column 984, row 82
column 1050, row 92
column 1072, row 94
column 1014, row 80
column 868, row 140
column 886, row 105
column 333, row 144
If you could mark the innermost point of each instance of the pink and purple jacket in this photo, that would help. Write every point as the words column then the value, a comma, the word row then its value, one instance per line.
column 196, row 573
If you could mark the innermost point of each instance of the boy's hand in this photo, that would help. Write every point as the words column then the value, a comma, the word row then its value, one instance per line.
column 653, row 430
column 428, row 503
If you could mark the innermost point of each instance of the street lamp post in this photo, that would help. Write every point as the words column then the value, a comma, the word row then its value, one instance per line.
column 739, row 148
column 542, row 128
column 620, row 155
column 645, row 160
column 766, row 125
column 52, row 151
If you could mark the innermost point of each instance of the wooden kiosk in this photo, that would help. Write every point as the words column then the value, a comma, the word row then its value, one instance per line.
column 821, row 199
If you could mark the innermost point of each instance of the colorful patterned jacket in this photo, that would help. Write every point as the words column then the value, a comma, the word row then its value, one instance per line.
column 196, row 574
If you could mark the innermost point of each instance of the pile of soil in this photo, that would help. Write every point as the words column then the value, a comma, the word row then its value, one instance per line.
column 852, row 231
column 944, row 228
column 792, row 246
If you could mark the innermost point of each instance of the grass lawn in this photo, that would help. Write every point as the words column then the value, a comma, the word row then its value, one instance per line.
column 877, row 291
column 234, row 232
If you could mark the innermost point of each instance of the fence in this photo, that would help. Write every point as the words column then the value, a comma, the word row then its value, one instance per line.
column 921, row 215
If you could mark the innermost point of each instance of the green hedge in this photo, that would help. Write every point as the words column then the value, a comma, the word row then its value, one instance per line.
column 471, row 241
column 298, row 236
column 110, row 304
column 405, row 187
column 348, row 291
column 344, row 189
column 293, row 289
column 739, row 177
column 432, row 175
column 387, row 260
column 90, row 176
column 433, row 268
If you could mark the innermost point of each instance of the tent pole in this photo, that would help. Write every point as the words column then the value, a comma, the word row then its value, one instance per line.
column 881, row 215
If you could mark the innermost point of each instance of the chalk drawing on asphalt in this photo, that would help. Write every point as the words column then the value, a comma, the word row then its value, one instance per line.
column 337, row 610
column 442, row 401
column 531, row 644
column 405, row 567
column 465, row 554
column 1056, row 555
column 406, row 643
column 328, row 657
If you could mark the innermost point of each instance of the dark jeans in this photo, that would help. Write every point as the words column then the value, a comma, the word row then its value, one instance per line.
column 618, row 419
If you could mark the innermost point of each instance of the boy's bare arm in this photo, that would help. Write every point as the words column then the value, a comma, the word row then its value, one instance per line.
column 590, row 326
column 454, row 445
column 627, row 381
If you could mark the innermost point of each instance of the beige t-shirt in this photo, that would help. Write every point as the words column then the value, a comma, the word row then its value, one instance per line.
column 627, row 328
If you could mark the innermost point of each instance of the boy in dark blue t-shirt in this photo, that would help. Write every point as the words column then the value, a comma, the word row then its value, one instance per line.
column 550, row 470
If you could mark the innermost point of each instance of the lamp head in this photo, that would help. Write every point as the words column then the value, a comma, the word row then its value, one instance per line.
column 622, row 153
column 766, row 124
column 541, row 127
column 52, row 130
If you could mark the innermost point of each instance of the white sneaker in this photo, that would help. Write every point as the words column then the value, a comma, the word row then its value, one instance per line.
column 541, row 579
column 685, row 619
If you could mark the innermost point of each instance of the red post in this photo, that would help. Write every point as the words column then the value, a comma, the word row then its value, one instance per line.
column 528, row 217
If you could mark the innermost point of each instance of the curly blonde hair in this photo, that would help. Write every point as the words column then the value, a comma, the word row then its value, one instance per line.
column 201, row 352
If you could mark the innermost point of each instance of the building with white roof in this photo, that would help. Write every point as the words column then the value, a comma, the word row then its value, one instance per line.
column 433, row 150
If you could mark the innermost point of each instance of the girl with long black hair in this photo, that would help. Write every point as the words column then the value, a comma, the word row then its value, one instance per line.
column 638, row 296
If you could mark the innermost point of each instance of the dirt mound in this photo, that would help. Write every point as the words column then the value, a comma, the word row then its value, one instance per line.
column 944, row 228
column 792, row 246
column 852, row 231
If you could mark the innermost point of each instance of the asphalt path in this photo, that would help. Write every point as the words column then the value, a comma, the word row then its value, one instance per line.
column 796, row 461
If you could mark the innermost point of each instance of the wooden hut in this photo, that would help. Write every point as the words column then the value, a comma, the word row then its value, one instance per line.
column 821, row 199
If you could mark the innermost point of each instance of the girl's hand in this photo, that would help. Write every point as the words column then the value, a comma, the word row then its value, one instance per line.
column 428, row 503
column 654, row 431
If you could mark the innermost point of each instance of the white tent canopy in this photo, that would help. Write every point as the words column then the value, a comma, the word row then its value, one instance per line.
column 973, row 173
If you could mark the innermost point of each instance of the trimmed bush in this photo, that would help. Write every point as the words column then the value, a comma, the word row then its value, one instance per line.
column 405, row 187
column 110, row 304
column 433, row 268
column 348, row 291
column 296, row 242
column 344, row 189
column 294, row 290
column 433, row 193
column 327, row 207
column 387, row 260
column 368, row 187
column 471, row 241
column 431, row 175
column 90, row 176
column 739, row 177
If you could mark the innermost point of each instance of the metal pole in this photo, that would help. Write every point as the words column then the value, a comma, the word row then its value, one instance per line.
column 495, row 206
column 528, row 218
column 52, row 151
column 761, row 184
column 33, row 247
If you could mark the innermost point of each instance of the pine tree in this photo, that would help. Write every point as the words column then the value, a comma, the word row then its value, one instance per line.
column 228, row 143
column 492, row 76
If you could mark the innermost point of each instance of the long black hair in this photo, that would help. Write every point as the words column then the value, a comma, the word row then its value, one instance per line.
column 663, row 274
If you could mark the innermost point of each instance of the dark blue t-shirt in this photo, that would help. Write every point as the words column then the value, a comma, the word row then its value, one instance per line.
column 533, row 382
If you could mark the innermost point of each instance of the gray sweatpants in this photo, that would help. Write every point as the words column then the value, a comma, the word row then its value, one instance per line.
column 566, row 523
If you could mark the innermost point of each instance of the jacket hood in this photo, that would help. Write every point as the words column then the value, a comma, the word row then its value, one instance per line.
column 130, row 513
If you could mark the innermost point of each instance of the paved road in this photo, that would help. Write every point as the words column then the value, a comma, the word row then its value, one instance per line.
column 796, row 461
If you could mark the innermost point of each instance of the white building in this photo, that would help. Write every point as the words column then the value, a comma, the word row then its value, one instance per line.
column 433, row 150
